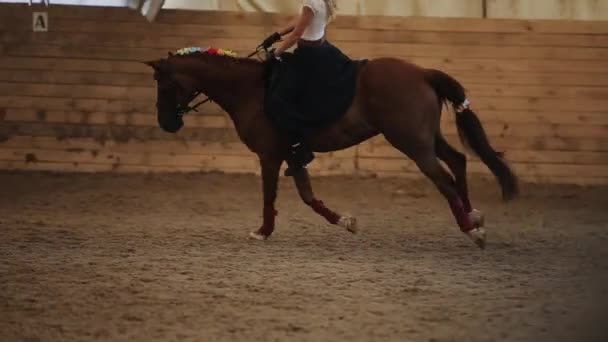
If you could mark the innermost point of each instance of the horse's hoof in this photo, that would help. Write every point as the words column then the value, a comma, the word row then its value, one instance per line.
column 349, row 223
column 258, row 236
column 478, row 236
column 477, row 218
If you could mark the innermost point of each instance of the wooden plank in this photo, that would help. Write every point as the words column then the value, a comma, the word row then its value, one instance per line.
column 492, row 66
column 170, row 16
column 488, row 68
column 203, row 162
column 202, row 34
column 98, row 53
column 569, row 26
column 148, row 93
column 82, row 91
column 211, row 114
column 71, row 104
column 534, row 104
column 492, row 128
column 142, row 81
column 373, row 49
column 76, row 77
column 534, row 130
column 586, row 181
column 215, row 121
column 530, row 169
column 532, row 78
column 109, row 168
column 516, row 156
column 44, row 104
column 61, row 11
column 325, row 163
column 78, row 121
column 184, row 147
column 119, row 133
column 76, row 167
column 132, row 34
column 84, row 144
column 537, row 143
column 75, row 71
column 74, row 64
column 547, row 91
column 166, row 16
column 469, row 38
column 137, row 55
column 524, row 179
column 104, row 118
column 507, row 117
column 481, row 104
column 481, row 25
column 477, row 51
column 161, row 35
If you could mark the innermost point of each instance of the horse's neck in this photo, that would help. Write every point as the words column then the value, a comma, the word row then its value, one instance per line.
column 228, row 83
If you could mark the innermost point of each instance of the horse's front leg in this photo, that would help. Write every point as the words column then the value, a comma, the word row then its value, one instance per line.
column 270, row 178
column 302, row 180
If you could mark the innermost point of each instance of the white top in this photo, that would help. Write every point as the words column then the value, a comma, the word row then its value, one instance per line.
column 316, row 29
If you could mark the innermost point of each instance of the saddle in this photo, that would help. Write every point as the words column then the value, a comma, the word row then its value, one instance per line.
column 309, row 88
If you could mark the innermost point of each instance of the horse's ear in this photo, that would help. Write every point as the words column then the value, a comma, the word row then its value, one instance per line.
column 153, row 64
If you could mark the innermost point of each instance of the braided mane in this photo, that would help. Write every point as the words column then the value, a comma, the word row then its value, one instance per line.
column 215, row 52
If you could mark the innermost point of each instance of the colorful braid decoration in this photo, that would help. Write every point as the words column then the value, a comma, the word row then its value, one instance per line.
column 209, row 50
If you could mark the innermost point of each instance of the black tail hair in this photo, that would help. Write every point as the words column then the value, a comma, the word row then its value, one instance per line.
column 471, row 131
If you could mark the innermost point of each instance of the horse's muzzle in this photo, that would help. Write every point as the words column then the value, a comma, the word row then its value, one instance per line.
column 170, row 123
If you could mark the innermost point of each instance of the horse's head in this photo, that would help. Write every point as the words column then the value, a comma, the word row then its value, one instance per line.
column 183, row 75
column 174, row 92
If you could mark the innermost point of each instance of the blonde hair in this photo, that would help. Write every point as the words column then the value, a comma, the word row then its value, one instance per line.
column 332, row 8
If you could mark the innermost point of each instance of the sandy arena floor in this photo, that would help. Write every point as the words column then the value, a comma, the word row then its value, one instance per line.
column 166, row 258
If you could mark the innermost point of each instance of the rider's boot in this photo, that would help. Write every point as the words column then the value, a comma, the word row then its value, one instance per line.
column 298, row 158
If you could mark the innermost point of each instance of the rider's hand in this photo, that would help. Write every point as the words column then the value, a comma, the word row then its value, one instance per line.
column 268, row 42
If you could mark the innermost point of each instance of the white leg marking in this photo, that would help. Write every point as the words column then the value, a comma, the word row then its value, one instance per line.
column 477, row 218
column 257, row 236
column 349, row 223
column 478, row 236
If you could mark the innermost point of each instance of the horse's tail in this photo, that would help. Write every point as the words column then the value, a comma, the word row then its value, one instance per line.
column 471, row 131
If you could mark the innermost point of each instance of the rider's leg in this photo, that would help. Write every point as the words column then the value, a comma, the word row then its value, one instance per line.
column 299, row 154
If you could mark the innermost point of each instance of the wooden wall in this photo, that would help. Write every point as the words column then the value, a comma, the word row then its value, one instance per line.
column 549, row 9
column 513, row 9
column 76, row 98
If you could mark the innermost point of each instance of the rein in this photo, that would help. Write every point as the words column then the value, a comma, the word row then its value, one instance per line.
column 190, row 109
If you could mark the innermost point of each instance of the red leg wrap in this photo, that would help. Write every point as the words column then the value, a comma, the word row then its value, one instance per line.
column 461, row 216
column 322, row 210
column 466, row 204
column 268, row 225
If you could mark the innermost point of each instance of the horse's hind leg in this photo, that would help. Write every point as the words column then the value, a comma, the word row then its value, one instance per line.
column 302, row 181
column 422, row 152
column 429, row 165
column 457, row 163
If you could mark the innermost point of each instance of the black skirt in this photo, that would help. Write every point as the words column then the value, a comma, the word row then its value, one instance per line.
column 310, row 87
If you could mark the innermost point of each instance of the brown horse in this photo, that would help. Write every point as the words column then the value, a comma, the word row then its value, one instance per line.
column 397, row 99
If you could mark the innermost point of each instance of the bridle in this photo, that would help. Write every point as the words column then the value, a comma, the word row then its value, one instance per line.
column 189, row 109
